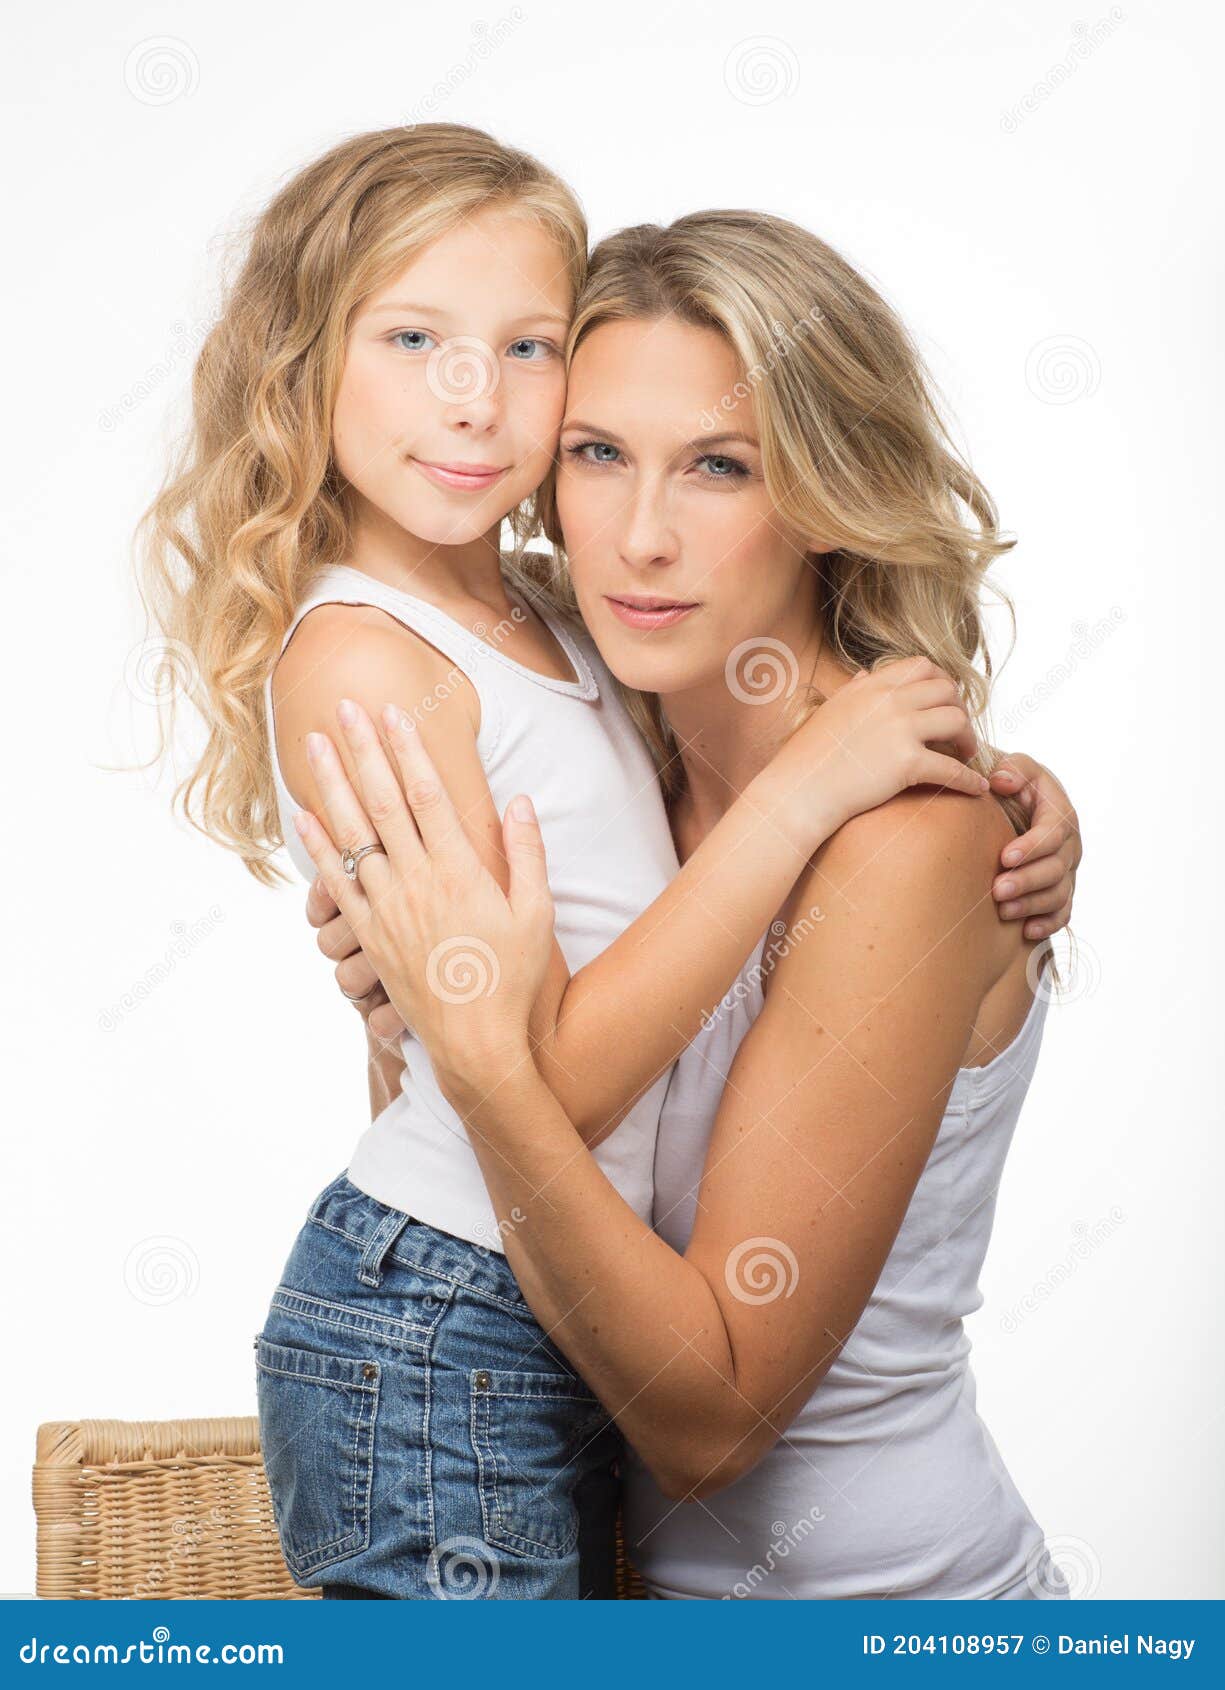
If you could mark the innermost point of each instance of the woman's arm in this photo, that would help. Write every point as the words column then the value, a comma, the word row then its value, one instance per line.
column 603, row 1037
column 828, row 1116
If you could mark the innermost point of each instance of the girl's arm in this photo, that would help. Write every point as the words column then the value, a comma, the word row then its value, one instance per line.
column 603, row 1037
column 828, row 1115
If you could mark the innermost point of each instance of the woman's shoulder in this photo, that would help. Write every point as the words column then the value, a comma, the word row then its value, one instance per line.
column 914, row 870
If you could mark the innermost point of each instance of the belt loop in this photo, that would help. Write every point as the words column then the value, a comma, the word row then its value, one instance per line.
column 381, row 1240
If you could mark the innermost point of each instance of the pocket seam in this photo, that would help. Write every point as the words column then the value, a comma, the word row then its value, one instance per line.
column 494, row 1514
column 307, row 1561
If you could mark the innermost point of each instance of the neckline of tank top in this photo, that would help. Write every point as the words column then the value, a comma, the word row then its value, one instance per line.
column 1002, row 1065
column 586, row 687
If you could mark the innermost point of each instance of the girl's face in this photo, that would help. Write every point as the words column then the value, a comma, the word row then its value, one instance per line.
column 676, row 549
column 453, row 386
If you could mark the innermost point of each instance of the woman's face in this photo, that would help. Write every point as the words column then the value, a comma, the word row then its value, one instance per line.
column 676, row 549
column 453, row 387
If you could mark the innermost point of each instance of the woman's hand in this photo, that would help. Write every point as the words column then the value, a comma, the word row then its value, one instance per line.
column 1038, row 875
column 460, row 960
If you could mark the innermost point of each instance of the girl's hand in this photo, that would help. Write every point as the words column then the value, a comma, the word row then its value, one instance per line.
column 460, row 960
column 1038, row 875
column 355, row 978
column 869, row 741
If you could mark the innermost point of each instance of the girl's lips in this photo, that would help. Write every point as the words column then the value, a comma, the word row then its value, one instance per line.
column 465, row 481
column 645, row 615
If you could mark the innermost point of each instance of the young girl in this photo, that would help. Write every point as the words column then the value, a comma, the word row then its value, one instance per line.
column 383, row 389
column 787, row 1346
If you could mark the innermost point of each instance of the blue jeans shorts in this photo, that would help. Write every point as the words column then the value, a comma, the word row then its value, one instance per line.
column 422, row 1437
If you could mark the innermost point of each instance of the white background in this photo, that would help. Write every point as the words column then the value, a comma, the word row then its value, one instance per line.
column 1029, row 184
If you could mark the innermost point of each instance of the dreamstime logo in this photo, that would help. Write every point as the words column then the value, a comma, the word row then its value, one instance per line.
column 1077, row 973
column 462, row 370
column 186, row 938
column 485, row 42
column 1088, row 38
column 782, row 342
column 161, row 1270
column 185, row 343
column 462, row 969
column 1086, row 1240
column 778, row 944
column 462, row 1569
column 1062, row 369
column 760, row 670
column 457, row 677
column 1064, row 1566
column 784, row 1539
column 1086, row 640
column 501, row 1229
column 160, row 70
column 156, row 667
column 190, row 1533
column 761, row 1270
column 761, row 69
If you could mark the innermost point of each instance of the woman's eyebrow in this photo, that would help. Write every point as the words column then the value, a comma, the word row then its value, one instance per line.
column 704, row 441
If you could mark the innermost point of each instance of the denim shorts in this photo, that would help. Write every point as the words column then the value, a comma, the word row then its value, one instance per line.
column 422, row 1437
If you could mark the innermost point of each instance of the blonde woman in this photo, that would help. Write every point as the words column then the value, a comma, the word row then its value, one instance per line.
column 784, row 1353
column 382, row 390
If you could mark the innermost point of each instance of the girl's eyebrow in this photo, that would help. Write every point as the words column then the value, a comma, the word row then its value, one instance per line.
column 408, row 307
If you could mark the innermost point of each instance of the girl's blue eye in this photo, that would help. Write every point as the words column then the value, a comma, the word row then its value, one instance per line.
column 580, row 450
column 528, row 350
column 417, row 335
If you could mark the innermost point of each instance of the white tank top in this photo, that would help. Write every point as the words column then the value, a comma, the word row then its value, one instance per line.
column 572, row 746
column 887, row 1483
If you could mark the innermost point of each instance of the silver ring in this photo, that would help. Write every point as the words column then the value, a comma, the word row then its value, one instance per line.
column 358, row 997
column 349, row 859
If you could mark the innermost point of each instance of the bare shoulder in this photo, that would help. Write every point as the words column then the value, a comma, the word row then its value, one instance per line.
column 910, row 875
column 360, row 652
column 339, row 647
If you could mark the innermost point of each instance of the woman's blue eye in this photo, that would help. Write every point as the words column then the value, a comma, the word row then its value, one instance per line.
column 579, row 451
column 417, row 335
column 527, row 350
column 730, row 469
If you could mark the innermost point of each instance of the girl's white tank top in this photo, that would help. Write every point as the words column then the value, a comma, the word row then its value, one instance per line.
column 572, row 746
column 887, row 1483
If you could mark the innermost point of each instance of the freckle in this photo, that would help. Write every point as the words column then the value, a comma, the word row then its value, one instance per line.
column 871, row 947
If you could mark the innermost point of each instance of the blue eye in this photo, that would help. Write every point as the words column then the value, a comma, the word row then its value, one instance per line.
column 731, row 468
column 580, row 450
column 535, row 349
column 417, row 335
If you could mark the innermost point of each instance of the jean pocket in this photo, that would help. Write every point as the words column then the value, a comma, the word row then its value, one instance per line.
column 316, row 1419
column 529, row 1431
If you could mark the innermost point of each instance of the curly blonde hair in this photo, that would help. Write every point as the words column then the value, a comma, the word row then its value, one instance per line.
column 254, row 507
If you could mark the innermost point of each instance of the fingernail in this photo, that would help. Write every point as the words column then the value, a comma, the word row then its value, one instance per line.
column 1012, row 855
column 347, row 711
column 314, row 746
column 1009, row 910
column 391, row 718
column 1006, row 888
column 521, row 808
column 299, row 822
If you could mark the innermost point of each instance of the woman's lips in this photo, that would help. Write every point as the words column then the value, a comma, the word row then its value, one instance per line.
column 649, row 612
column 466, row 478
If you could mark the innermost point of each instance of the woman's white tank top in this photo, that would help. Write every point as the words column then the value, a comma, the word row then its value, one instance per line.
column 572, row 746
column 887, row 1483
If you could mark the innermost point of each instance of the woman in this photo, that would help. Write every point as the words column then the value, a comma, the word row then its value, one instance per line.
column 790, row 1351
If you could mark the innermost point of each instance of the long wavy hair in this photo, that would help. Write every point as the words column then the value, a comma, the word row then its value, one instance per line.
column 254, row 507
column 855, row 454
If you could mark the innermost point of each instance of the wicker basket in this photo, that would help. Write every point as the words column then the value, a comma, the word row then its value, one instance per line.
column 168, row 1508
